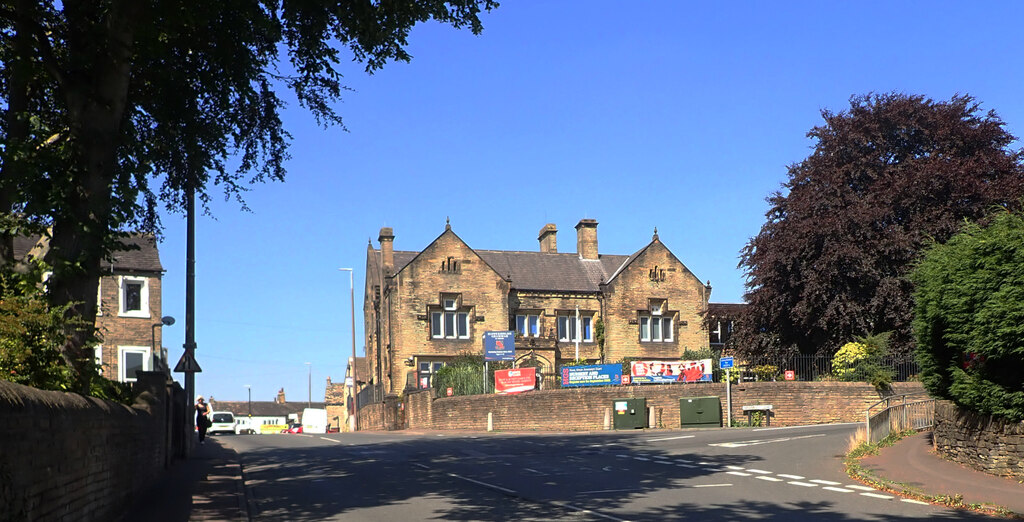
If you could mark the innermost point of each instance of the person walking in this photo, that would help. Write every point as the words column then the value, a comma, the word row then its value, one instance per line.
column 202, row 418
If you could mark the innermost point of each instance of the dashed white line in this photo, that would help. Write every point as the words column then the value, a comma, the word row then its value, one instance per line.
column 332, row 440
column 418, row 465
column 712, row 485
column 804, row 484
column 672, row 438
column 858, row 486
column 738, row 473
column 793, row 477
column 838, row 490
column 737, row 468
column 769, row 479
column 686, row 466
column 684, row 461
column 484, row 484
column 535, row 471
column 826, row 482
column 877, row 495
column 663, row 462
column 759, row 471
column 589, row 512
column 912, row 501
column 608, row 491
column 660, row 457
column 641, row 458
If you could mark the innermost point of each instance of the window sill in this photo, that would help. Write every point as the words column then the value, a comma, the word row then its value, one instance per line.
column 136, row 315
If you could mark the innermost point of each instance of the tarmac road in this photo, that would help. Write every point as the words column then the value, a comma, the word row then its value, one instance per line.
column 775, row 473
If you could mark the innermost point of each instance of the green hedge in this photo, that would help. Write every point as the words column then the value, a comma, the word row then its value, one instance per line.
column 969, row 317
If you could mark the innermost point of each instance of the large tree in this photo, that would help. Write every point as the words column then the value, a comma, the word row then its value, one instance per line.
column 889, row 174
column 111, row 106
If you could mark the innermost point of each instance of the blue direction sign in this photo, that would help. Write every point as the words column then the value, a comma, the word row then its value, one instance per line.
column 725, row 363
column 500, row 346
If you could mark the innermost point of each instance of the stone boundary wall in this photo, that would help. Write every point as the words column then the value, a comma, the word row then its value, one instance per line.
column 983, row 442
column 586, row 409
column 68, row 457
column 384, row 416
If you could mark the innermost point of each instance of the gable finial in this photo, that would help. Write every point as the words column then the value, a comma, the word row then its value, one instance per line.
column 447, row 223
column 655, row 238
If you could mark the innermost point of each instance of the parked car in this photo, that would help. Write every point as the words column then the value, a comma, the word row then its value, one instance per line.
column 222, row 422
column 293, row 428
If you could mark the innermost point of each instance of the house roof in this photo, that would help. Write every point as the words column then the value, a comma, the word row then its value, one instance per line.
column 726, row 309
column 263, row 408
column 142, row 254
column 539, row 270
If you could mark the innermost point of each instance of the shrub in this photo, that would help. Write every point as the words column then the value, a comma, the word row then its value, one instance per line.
column 862, row 361
column 969, row 317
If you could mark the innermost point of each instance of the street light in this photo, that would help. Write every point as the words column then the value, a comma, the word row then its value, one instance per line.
column 165, row 321
column 309, row 398
column 353, row 423
column 249, row 388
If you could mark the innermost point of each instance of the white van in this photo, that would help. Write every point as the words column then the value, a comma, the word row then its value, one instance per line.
column 222, row 422
column 242, row 425
column 314, row 420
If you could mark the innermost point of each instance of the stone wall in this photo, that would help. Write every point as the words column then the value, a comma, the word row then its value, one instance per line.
column 586, row 409
column 983, row 442
column 68, row 457
column 384, row 416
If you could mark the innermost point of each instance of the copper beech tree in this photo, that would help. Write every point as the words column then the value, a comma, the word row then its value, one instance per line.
column 110, row 107
column 886, row 176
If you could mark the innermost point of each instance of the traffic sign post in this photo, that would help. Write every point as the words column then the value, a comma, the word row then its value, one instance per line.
column 726, row 363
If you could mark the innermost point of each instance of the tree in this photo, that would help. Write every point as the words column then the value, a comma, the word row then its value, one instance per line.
column 969, row 317
column 886, row 176
column 103, row 98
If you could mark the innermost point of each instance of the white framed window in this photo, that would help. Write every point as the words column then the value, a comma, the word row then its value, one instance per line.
column 132, row 359
column 427, row 371
column 528, row 325
column 133, row 296
column 655, row 329
column 571, row 330
column 449, row 322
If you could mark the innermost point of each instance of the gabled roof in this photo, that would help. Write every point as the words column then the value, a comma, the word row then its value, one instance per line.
column 142, row 256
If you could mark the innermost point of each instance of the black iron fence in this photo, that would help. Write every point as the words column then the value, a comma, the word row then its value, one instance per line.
column 811, row 368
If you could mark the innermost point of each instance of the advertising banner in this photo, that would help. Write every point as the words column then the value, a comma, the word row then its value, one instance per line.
column 648, row 372
column 592, row 375
column 499, row 346
column 515, row 380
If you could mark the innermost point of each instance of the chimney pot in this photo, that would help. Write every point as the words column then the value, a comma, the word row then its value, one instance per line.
column 547, row 238
column 387, row 252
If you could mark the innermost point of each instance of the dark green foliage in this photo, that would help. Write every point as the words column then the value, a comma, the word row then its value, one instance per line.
column 892, row 171
column 969, row 317
column 465, row 375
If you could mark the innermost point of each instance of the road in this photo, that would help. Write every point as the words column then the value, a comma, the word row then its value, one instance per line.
column 775, row 473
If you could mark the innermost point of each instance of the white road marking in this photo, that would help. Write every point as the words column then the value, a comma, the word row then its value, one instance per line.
column 608, row 491
column 769, row 479
column 794, row 477
column 535, row 471
column 804, row 484
column 756, row 442
column 663, row 462
column 737, row 468
column 332, row 440
column 858, row 486
column 623, row 456
column 808, row 426
column 589, row 512
column 660, row 457
column 684, row 461
column 738, row 473
column 686, row 466
column 641, row 458
column 418, row 465
column 760, row 471
column 712, row 485
column 877, row 495
column 838, row 490
column 484, row 484
column 912, row 501
column 704, row 463
column 672, row 438
column 826, row 482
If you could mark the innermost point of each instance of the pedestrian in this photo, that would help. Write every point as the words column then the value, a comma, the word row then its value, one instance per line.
column 202, row 418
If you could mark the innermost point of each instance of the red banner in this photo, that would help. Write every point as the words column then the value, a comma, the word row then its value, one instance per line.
column 515, row 380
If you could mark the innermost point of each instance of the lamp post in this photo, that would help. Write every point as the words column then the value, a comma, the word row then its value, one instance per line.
column 309, row 398
column 249, row 388
column 164, row 321
column 353, row 420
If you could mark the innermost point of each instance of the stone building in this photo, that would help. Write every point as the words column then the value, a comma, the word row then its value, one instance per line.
column 421, row 309
column 128, row 306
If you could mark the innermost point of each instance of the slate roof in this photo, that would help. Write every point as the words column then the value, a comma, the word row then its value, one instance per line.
column 263, row 408
column 144, row 255
column 564, row 272
column 733, row 310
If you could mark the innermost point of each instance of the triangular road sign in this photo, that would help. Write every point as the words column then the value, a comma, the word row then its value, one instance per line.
column 187, row 363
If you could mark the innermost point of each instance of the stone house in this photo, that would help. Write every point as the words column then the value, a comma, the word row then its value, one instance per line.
column 128, row 307
column 422, row 309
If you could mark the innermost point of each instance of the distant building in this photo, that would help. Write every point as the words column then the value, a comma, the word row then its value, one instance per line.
column 128, row 307
column 275, row 413
column 721, row 321
column 423, row 308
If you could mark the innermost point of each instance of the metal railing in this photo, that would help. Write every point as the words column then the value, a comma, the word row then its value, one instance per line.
column 898, row 414
column 809, row 368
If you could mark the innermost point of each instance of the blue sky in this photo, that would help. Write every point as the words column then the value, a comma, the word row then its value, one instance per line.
column 675, row 115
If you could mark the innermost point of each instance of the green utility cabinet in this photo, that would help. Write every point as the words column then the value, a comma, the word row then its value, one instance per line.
column 700, row 412
column 629, row 414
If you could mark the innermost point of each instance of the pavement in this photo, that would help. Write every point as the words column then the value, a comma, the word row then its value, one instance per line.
column 209, row 486
column 913, row 465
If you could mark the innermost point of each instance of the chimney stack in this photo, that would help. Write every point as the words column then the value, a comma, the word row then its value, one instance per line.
column 586, row 239
column 548, row 244
column 387, row 252
column 280, row 396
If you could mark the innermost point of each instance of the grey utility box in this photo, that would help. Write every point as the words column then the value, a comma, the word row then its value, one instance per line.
column 629, row 414
column 700, row 412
